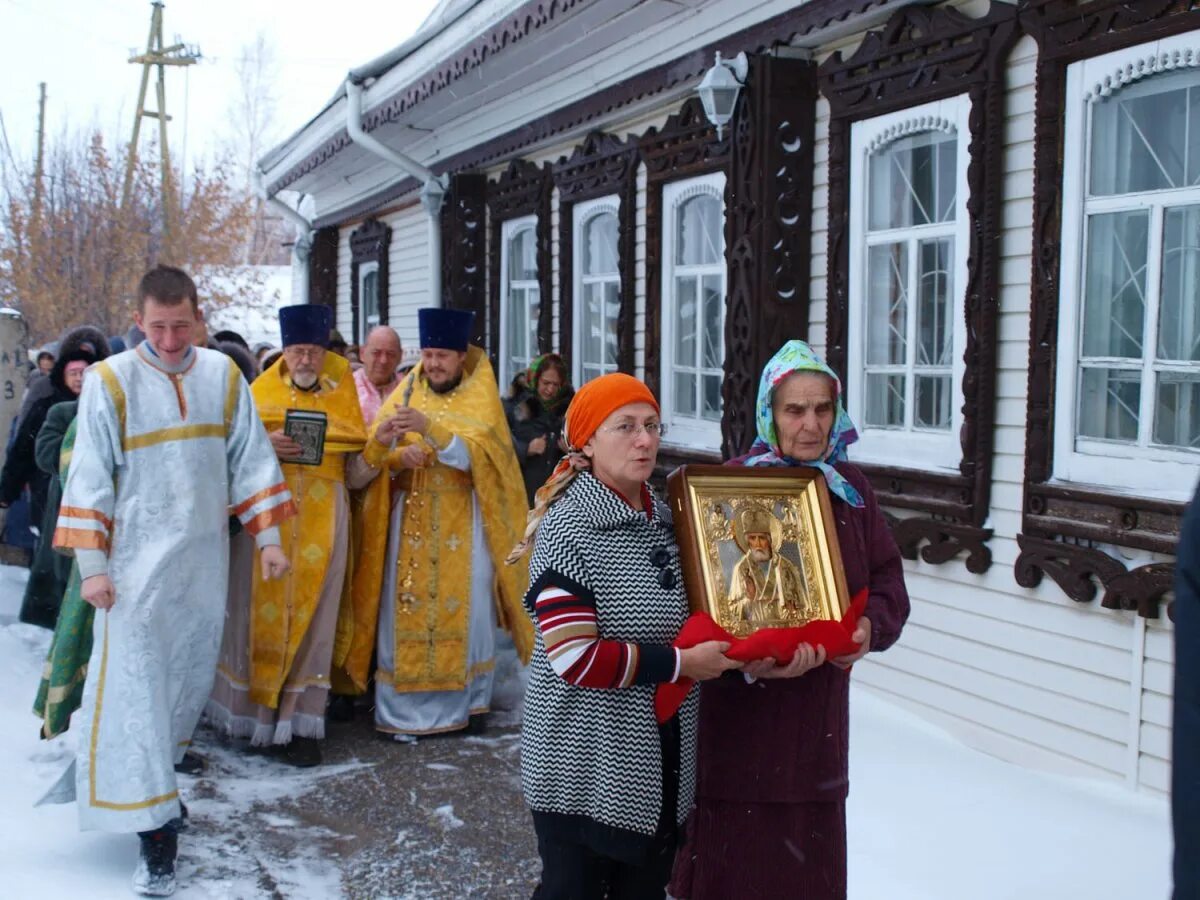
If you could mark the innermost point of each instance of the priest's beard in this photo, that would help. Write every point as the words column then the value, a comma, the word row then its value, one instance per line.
column 304, row 379
column 445, row 387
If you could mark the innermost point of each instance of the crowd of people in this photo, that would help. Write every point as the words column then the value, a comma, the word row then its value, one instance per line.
column 371, row 529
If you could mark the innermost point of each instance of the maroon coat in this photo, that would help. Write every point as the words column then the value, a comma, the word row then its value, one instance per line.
column 785, row 741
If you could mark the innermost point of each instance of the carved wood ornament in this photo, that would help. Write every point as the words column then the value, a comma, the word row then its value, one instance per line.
column 322, row 268
column 767, row 231
column 523, row 189
column 369, row 243
column 924, row 54
column 1059, row 523
column 600, row 166
column 464, row 254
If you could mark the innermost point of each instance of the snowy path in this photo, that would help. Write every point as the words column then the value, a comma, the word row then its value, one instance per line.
column 929, row 818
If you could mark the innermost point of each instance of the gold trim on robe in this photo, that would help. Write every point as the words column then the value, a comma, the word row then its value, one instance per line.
column 434, row 577
column 282, row 611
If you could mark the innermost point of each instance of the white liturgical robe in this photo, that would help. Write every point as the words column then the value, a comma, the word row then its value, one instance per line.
column 163, row 454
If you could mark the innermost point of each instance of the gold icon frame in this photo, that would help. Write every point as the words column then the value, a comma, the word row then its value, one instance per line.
column 710, row 506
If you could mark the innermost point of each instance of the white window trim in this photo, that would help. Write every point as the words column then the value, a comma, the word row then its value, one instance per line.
column 364, row 327
column 581, row 213
column 507, row 230
column 1161, row 473
column 919, row 449
column 684, row 431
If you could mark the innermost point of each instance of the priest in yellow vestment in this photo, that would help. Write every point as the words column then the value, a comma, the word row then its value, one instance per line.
column 276, row 658
column 431, row 566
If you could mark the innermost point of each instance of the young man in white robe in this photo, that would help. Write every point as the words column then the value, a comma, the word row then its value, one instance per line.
column 168, row 443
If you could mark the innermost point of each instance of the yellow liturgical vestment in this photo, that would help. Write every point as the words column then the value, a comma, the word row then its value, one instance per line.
column 281, row 611
column 433, row 558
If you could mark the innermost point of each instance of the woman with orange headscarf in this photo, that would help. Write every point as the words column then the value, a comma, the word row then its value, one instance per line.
column 607, row 785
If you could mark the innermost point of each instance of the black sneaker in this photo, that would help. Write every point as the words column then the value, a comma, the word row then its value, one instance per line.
column 155, row 872
column 191, row 764
column 477, row 724
column 302, row 752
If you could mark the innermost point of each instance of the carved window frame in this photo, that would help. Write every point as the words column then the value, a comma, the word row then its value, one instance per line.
column 685, row 147
column 522, row 190
column 509, row 229
column 920, row 55
column 369, row 246
column 1064, row 527
column 583, row 214
column 601, row 166
column 867, row 138
column 686, row 431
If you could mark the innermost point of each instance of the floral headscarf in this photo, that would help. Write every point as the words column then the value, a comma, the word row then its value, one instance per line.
column 797, row 356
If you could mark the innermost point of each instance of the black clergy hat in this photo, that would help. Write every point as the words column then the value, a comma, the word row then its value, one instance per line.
column 444, row 329
column 305, row 323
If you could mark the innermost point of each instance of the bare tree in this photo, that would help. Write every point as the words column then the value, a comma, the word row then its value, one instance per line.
column 254, row 128
column 78, row 257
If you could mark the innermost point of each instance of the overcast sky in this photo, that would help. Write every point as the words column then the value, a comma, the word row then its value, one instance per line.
column 80, row 48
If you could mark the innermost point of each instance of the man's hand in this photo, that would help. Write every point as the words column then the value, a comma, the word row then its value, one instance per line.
column 536, row 447
column 285, row 447
column 862, row 637
column 705, row 661
column 274, row 563
column 408, row 419
column 98, row 591
column 388, row 431
column 804, row 660
column 413, row 456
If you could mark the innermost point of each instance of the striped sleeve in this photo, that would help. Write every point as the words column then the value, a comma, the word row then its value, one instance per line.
column 258, row 494
column 577, row 653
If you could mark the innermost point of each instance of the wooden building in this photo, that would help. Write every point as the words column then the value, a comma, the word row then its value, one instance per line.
column 986, row 215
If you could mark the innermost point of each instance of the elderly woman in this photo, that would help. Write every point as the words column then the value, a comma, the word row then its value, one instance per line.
column 770, row 818
column 607, row 786
column 535, row 418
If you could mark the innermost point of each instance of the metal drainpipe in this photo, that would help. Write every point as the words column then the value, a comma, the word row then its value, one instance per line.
column 304, row 235
column 433, row 187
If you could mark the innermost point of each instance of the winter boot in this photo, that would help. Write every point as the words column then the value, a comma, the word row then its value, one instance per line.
column 302, row 752
column 191, row 764
column 155, row 872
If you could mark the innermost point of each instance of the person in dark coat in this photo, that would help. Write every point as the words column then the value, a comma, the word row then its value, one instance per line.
column 1185, row 737
column 50, row 571
column 772, row 775
column 83, row 345
column 535, row 418
column 38, row 389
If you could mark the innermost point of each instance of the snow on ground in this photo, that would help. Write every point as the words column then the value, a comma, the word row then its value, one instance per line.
column 929, row 819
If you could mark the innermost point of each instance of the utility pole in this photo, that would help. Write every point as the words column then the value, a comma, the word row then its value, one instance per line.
column 156, row 56
column 39, row 168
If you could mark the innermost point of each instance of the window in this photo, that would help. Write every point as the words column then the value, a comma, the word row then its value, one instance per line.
column 908, row 254
column 597, row 288
column 368, row 294
column 1128, row 380
column 693, row 278
column 520, row 296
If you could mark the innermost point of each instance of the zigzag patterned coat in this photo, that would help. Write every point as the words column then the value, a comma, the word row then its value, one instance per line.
column 595, row 754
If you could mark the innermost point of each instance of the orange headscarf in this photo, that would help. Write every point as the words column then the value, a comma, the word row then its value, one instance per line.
column 591, row 405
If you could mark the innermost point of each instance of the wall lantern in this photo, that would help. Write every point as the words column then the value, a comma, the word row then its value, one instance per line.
column 720, row 88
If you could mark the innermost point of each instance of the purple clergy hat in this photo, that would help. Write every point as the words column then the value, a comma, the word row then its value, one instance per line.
column 445, row 329
column 305, row 323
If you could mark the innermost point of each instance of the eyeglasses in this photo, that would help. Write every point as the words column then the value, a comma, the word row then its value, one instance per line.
column 304, row 352
column 661, row 560
column 630, row 430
